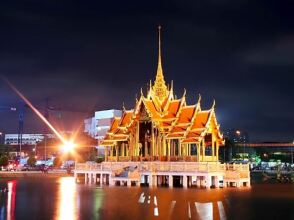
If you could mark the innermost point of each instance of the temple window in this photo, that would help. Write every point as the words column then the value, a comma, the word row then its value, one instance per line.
column 208, row 144
column 193, row 150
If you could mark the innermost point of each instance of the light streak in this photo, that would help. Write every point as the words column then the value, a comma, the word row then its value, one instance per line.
column 67, row 205
column 39, row 114
column 172, row 207
column 155, row 201
column 221, row 210
column 11, row 185
column 189, row 211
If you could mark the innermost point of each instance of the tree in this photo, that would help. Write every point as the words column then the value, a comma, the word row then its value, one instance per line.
column 3, row 160
column 31, row 161
column 57, row 162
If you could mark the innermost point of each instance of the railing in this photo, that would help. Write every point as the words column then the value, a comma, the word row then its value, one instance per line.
column 166, row 166
column 152, row 158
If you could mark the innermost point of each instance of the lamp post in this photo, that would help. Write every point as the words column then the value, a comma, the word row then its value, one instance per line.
column 1, row 134
column 35, row 149
column 292, row 153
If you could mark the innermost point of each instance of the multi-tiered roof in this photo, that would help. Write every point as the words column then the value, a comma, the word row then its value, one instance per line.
column 173, row 117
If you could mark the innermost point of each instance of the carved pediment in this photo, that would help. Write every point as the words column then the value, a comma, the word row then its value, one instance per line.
column 144, row 116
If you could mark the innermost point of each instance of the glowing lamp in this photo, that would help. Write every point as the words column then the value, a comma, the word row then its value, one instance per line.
column 68, row 146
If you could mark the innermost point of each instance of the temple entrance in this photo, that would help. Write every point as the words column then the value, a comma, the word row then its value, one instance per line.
column 145, row 138
column 208, row 144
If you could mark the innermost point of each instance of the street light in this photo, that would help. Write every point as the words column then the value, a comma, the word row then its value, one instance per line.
column 68, row 146
column 292, row 152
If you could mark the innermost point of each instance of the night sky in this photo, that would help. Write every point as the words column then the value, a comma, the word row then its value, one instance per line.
column 86, row 55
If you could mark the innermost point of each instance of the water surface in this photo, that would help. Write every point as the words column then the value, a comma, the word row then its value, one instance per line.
column 62, row 198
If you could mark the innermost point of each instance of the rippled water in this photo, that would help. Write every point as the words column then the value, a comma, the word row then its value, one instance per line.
column 62, row 198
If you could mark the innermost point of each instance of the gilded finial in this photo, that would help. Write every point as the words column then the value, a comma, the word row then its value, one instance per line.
column 159, row 44
column 159, row 86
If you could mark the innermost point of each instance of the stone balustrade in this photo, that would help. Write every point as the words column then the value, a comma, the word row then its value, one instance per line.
column 165, row 166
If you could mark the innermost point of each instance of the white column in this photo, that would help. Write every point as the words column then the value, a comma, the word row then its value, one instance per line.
column 170, row 181
column 198, row 181
column 208, row 181
column 111, row 182
column 95, row 177
column 85, row 177
column 89, row 178
column 216, row 182
column 185, row 181
column 150, row 180
column 154, row 181
column 159, row 180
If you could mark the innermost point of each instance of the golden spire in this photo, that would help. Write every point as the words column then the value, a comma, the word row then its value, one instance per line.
column 160, row 87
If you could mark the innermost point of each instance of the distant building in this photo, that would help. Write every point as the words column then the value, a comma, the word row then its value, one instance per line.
column 98, row 125
column 27, row 139
column 270, row 151
column 236, row 136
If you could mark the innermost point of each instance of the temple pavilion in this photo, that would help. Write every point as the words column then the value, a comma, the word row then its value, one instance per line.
column 162, row 127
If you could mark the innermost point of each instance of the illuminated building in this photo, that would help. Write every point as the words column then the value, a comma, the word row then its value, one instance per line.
column 27, row 139
column 98, row 125
column 162, row 127
column 164, row 141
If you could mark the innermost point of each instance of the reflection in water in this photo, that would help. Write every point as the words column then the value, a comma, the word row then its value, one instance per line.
column 49, row 198
column 11, row 199
column 67, row 206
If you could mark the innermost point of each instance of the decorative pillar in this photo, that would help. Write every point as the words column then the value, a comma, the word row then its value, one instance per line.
column 90, row 178
column 137, row 139
column 164, row 147
column 213, row 146
column 159, row 144
column 150, row 180
column 198, row 181
column 208, row 181
column 152, row 139
column 116, row 153
column 217, row 150
column 168, row 148
column 203, row 150
column 185, row 181
column 216, row 181
column 170, row 181
column 198, row 152
column 86, row 178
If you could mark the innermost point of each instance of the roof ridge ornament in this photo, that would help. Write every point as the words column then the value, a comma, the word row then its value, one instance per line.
column 123, row 107
column 199, row 98
column 213, row 104
column 159, row 87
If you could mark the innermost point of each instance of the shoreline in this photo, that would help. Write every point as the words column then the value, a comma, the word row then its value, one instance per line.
column 37, row 174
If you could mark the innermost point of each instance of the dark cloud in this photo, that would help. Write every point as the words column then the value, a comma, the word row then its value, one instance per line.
column 87, row 55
